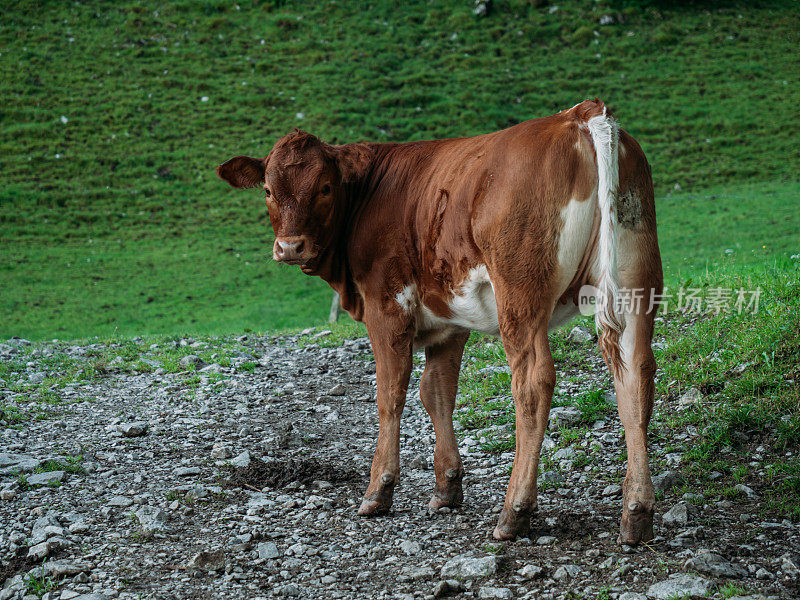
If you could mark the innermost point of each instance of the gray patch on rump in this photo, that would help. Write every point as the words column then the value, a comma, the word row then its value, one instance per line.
column 629, row 209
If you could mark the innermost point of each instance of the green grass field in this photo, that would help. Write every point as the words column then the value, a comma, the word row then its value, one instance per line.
column 113, row 119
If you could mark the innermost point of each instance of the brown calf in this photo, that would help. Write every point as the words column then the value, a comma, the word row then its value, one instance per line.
column 425, row 241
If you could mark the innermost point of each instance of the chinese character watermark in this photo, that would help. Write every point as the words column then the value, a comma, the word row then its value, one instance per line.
column 698, row 301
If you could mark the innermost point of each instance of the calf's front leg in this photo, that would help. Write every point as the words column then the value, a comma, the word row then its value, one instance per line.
column 392, row 347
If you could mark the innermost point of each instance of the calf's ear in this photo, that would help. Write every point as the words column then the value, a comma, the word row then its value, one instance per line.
column 243, row 171
column 354, row 161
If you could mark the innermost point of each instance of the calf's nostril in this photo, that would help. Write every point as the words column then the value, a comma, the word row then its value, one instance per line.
column 299, row 247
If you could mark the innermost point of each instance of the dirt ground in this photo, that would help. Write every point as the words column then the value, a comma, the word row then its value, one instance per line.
column 167, row 513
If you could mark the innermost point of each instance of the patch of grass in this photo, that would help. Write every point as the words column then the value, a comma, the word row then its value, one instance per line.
column 106, row 217
column 746, row 365
column 593, row 406
column 39, row 585
column 10, row 416
column 731, row 589
column 493, row 548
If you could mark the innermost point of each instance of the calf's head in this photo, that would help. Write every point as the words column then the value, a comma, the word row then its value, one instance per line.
column 307, row 184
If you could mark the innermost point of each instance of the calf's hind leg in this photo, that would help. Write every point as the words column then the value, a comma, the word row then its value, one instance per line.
column 635, row 389
column 532, row 381
column 437, row 391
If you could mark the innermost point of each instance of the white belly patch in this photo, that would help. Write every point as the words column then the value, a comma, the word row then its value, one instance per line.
column 472, row 307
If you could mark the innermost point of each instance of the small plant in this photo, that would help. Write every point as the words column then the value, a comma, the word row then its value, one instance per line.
column 38, row 584
column 22, row 481
column 493, row 548
column 731, row 589
column 593, row 406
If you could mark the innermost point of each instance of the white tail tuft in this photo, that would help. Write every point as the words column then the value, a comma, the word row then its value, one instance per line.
column 605, row 136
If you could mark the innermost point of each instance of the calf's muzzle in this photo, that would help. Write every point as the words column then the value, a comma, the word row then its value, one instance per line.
column 296, row 250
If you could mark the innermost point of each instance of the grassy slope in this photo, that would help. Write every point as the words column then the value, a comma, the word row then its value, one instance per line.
column 128, row 230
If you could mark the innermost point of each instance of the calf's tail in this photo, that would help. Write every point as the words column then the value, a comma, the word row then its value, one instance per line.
column 609, row 322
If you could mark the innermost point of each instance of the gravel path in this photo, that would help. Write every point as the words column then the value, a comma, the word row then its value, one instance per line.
column 161, row 512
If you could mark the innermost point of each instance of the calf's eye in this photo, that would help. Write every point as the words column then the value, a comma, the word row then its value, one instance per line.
column 326, row 189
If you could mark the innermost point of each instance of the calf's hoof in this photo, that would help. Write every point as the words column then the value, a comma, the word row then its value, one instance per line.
column 637, row 524
column 451, row 494
column 378, row 503
column 450, row 498
column 512, row 523
column 373, row 508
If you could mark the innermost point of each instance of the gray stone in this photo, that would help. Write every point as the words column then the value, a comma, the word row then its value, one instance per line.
column 152, row 519
column 221, row 452
column 120, row 501
column 47, row 478
column 419, row 572
column 790, row 565
column 564, row 454
column 678, row 586
column 7, row 494
column 267, row 550
column 337, row 390
column 43, row 528
column 565, row 572
column 495, row 592
column 546, row 540
column 553, row 477
column 208, row 560
column 410, row 548
column 243, row 460
column 469, row 567
column 8, row 459
column 39, row 551
column 632, row 596
column 667, row 480
column 746, row 491
column 198, row 492
column 91, row 597
column 677, row 515
column 563, row 416
column 612, row 490
column 187, row 471
column 213, row 368
column 711, row 563
column 447, row 587
column 59, row 568
column 133, row 428
column 531, row 571
column 762, row 573
column 190, row 360
column 690, row 397
column 582, row 334
column 290, row 589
